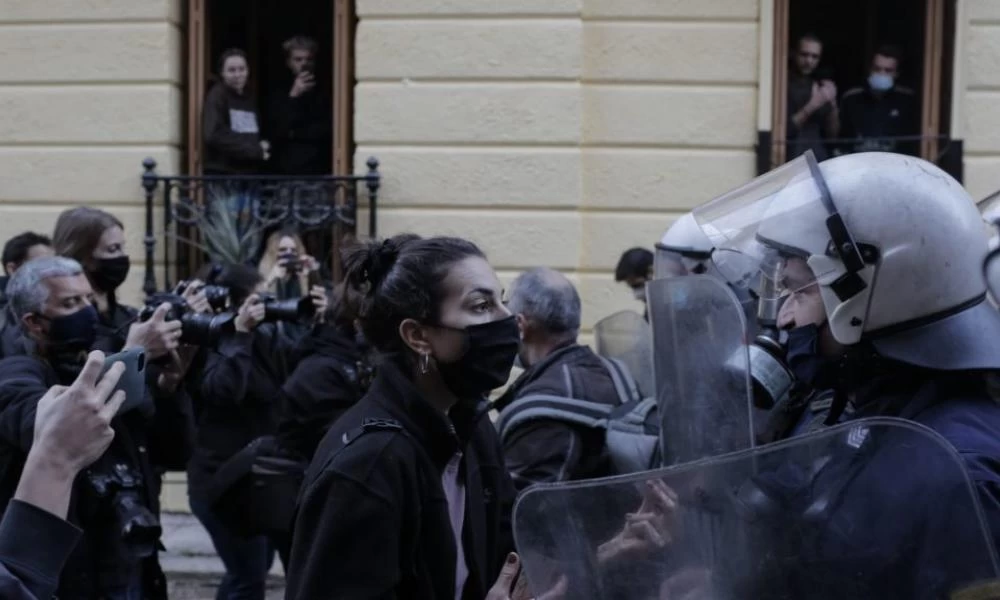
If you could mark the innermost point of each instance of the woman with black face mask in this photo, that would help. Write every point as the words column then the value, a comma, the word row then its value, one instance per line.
column 407, row 495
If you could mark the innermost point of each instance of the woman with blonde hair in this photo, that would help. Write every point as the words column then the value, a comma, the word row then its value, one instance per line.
column 287, row 270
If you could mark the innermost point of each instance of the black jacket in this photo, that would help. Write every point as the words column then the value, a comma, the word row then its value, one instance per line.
column 240, row 390
column 149, row 445
column 550, row 450
column 373, row 520
column 301, row 130
column 872, row 120
column 330, row 377
column 231, row 131
column 34, row 547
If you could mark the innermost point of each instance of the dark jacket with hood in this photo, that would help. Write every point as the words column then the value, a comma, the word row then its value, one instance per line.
column 550, row 450
column 231, row 132
column 330, row 377
column 240, row 390
column 373, row 519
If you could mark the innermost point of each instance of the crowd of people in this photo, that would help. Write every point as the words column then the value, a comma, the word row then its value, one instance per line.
column 353, row 430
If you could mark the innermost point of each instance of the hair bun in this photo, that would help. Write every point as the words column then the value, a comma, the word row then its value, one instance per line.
column 381, row 257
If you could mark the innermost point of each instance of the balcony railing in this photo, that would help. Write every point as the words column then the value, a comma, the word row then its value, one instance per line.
column 943, row 151
column 198, row 210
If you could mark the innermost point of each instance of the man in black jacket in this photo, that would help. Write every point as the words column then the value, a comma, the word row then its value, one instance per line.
column 116, row 502
column 300, row 114
column 72, row 429
column 546, row 450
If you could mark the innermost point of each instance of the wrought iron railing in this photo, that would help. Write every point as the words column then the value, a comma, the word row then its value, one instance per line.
column 943, row 151
column 198, row 210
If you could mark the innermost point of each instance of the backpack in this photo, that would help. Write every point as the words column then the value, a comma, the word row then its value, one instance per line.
column 631, row 428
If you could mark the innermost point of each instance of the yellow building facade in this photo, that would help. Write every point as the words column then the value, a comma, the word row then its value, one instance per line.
column 551, row 132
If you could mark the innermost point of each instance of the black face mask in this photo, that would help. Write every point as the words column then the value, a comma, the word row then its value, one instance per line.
column 490, row 349
column 109, row 273
column 804, row 359
column 72, row 334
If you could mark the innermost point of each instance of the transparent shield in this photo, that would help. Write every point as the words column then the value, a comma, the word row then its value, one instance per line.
column 700, row 363
column 784, row 210
column 874, row 509
column 625, row 336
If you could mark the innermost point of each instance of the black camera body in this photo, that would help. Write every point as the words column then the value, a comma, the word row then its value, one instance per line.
column 291, row 262
column 217, row 295
column 122, row 486
column 291, row 309
column 196, row 328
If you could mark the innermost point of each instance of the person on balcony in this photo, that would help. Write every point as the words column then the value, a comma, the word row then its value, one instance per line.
column 813, row 117
column 233, row 144
column 300, row 110
column 875, row 116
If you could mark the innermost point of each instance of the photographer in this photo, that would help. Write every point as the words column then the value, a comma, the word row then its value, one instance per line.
column 286, row 268
column 116, row 499
column 72, row 430
column 240, row 389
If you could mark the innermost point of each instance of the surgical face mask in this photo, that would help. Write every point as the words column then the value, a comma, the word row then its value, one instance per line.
column 109, row 273
column 72, row 333
column 489, row 353
column 880, row 82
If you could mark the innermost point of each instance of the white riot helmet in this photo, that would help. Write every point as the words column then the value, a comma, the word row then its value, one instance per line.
column 683, row 250
column 895, row 244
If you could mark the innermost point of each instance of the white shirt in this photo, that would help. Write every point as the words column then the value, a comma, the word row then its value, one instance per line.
column 454, row 492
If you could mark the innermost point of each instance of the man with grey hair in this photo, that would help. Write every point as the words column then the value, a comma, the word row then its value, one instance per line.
column 541, row 449
column 116, row 500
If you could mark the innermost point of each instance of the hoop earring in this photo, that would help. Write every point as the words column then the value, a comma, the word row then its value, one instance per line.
column 425, row 360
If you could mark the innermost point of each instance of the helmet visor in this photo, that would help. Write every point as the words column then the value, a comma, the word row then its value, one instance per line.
column 784, row 213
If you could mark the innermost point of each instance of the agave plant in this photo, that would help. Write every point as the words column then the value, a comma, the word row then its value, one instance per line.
column 230, row 229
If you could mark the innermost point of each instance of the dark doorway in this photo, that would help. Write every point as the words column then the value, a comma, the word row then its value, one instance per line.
column 851, row 30
column 260, row 27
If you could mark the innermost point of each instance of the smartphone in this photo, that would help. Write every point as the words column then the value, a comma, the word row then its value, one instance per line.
column 133, row 380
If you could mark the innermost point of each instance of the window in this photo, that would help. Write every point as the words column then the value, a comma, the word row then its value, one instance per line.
column 851, row 31
column 260, row 27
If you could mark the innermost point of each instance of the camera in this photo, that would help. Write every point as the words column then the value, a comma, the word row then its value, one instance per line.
column 196, row 328
column 291, row 262
column 291, row 309
column 217, row 295
column 139, row 528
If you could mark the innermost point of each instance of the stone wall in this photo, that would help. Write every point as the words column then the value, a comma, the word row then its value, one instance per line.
column 555, row 132
column 88, row 88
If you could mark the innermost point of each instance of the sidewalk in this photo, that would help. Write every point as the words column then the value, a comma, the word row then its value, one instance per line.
column 193, row 570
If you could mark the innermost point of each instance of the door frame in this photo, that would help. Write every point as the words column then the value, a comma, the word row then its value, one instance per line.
column 342, row 78
column 774, row 66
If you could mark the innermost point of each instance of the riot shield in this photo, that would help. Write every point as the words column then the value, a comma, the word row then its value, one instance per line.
column 625, row 336
column 874, row 509
column 700, row 364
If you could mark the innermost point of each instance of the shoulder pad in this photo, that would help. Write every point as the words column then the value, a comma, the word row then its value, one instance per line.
column 902, row 89
column 853, row 92
column 370, row 425
column 374, row 424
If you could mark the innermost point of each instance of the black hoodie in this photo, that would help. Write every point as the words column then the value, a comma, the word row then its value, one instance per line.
column 331, row 377
column 373, row 519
